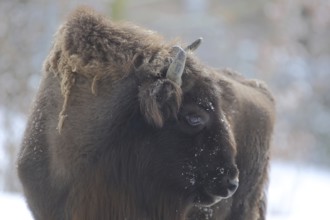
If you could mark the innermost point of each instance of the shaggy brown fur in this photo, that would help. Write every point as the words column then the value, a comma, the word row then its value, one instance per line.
column 110, row 137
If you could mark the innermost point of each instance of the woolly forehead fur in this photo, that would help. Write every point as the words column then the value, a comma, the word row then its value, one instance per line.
column 92, row 45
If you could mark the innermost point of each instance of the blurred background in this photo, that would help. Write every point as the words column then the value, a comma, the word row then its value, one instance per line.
column 284, row 43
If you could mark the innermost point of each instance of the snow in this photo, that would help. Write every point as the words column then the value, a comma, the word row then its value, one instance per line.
column 296, row 192
column 13, row 207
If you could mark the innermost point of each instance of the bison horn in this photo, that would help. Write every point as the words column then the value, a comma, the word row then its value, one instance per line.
column 176, row 68
column 194, row 45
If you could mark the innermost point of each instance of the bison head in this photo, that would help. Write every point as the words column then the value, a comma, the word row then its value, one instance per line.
column 143, row 114
column 189, row 141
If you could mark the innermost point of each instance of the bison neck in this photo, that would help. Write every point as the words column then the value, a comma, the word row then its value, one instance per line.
column 98, row 199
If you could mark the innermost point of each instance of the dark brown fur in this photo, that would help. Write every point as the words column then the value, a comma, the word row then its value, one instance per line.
column 107, row 138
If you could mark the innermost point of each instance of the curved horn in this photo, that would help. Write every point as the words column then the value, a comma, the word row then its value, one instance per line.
column 176, row 68
column 194, row 45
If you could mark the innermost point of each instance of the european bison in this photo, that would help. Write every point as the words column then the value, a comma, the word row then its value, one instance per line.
column 128, row 127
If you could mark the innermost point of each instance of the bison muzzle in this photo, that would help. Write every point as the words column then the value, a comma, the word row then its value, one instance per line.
column 128, row 127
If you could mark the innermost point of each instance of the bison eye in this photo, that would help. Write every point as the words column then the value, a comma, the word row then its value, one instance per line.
column 194, row 120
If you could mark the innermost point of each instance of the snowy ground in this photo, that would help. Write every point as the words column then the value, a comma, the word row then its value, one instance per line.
column 298, row 193
column 13, row 207
column 295, row 193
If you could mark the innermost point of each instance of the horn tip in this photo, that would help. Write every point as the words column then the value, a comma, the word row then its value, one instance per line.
column 195, row 44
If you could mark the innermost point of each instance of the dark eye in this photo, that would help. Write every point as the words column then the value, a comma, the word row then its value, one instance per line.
column 194, row 120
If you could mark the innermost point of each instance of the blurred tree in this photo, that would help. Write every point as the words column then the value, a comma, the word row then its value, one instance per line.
column 20, row 36
column 118, row 9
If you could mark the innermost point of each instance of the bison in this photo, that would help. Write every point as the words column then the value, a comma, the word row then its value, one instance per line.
column 127, row 126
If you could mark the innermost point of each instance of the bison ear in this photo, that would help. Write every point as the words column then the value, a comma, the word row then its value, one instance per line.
column 159, row 101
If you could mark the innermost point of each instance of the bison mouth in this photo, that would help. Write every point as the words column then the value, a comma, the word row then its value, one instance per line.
column 211, row 194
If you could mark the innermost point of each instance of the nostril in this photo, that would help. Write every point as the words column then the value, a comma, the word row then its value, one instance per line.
column 232, row 184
